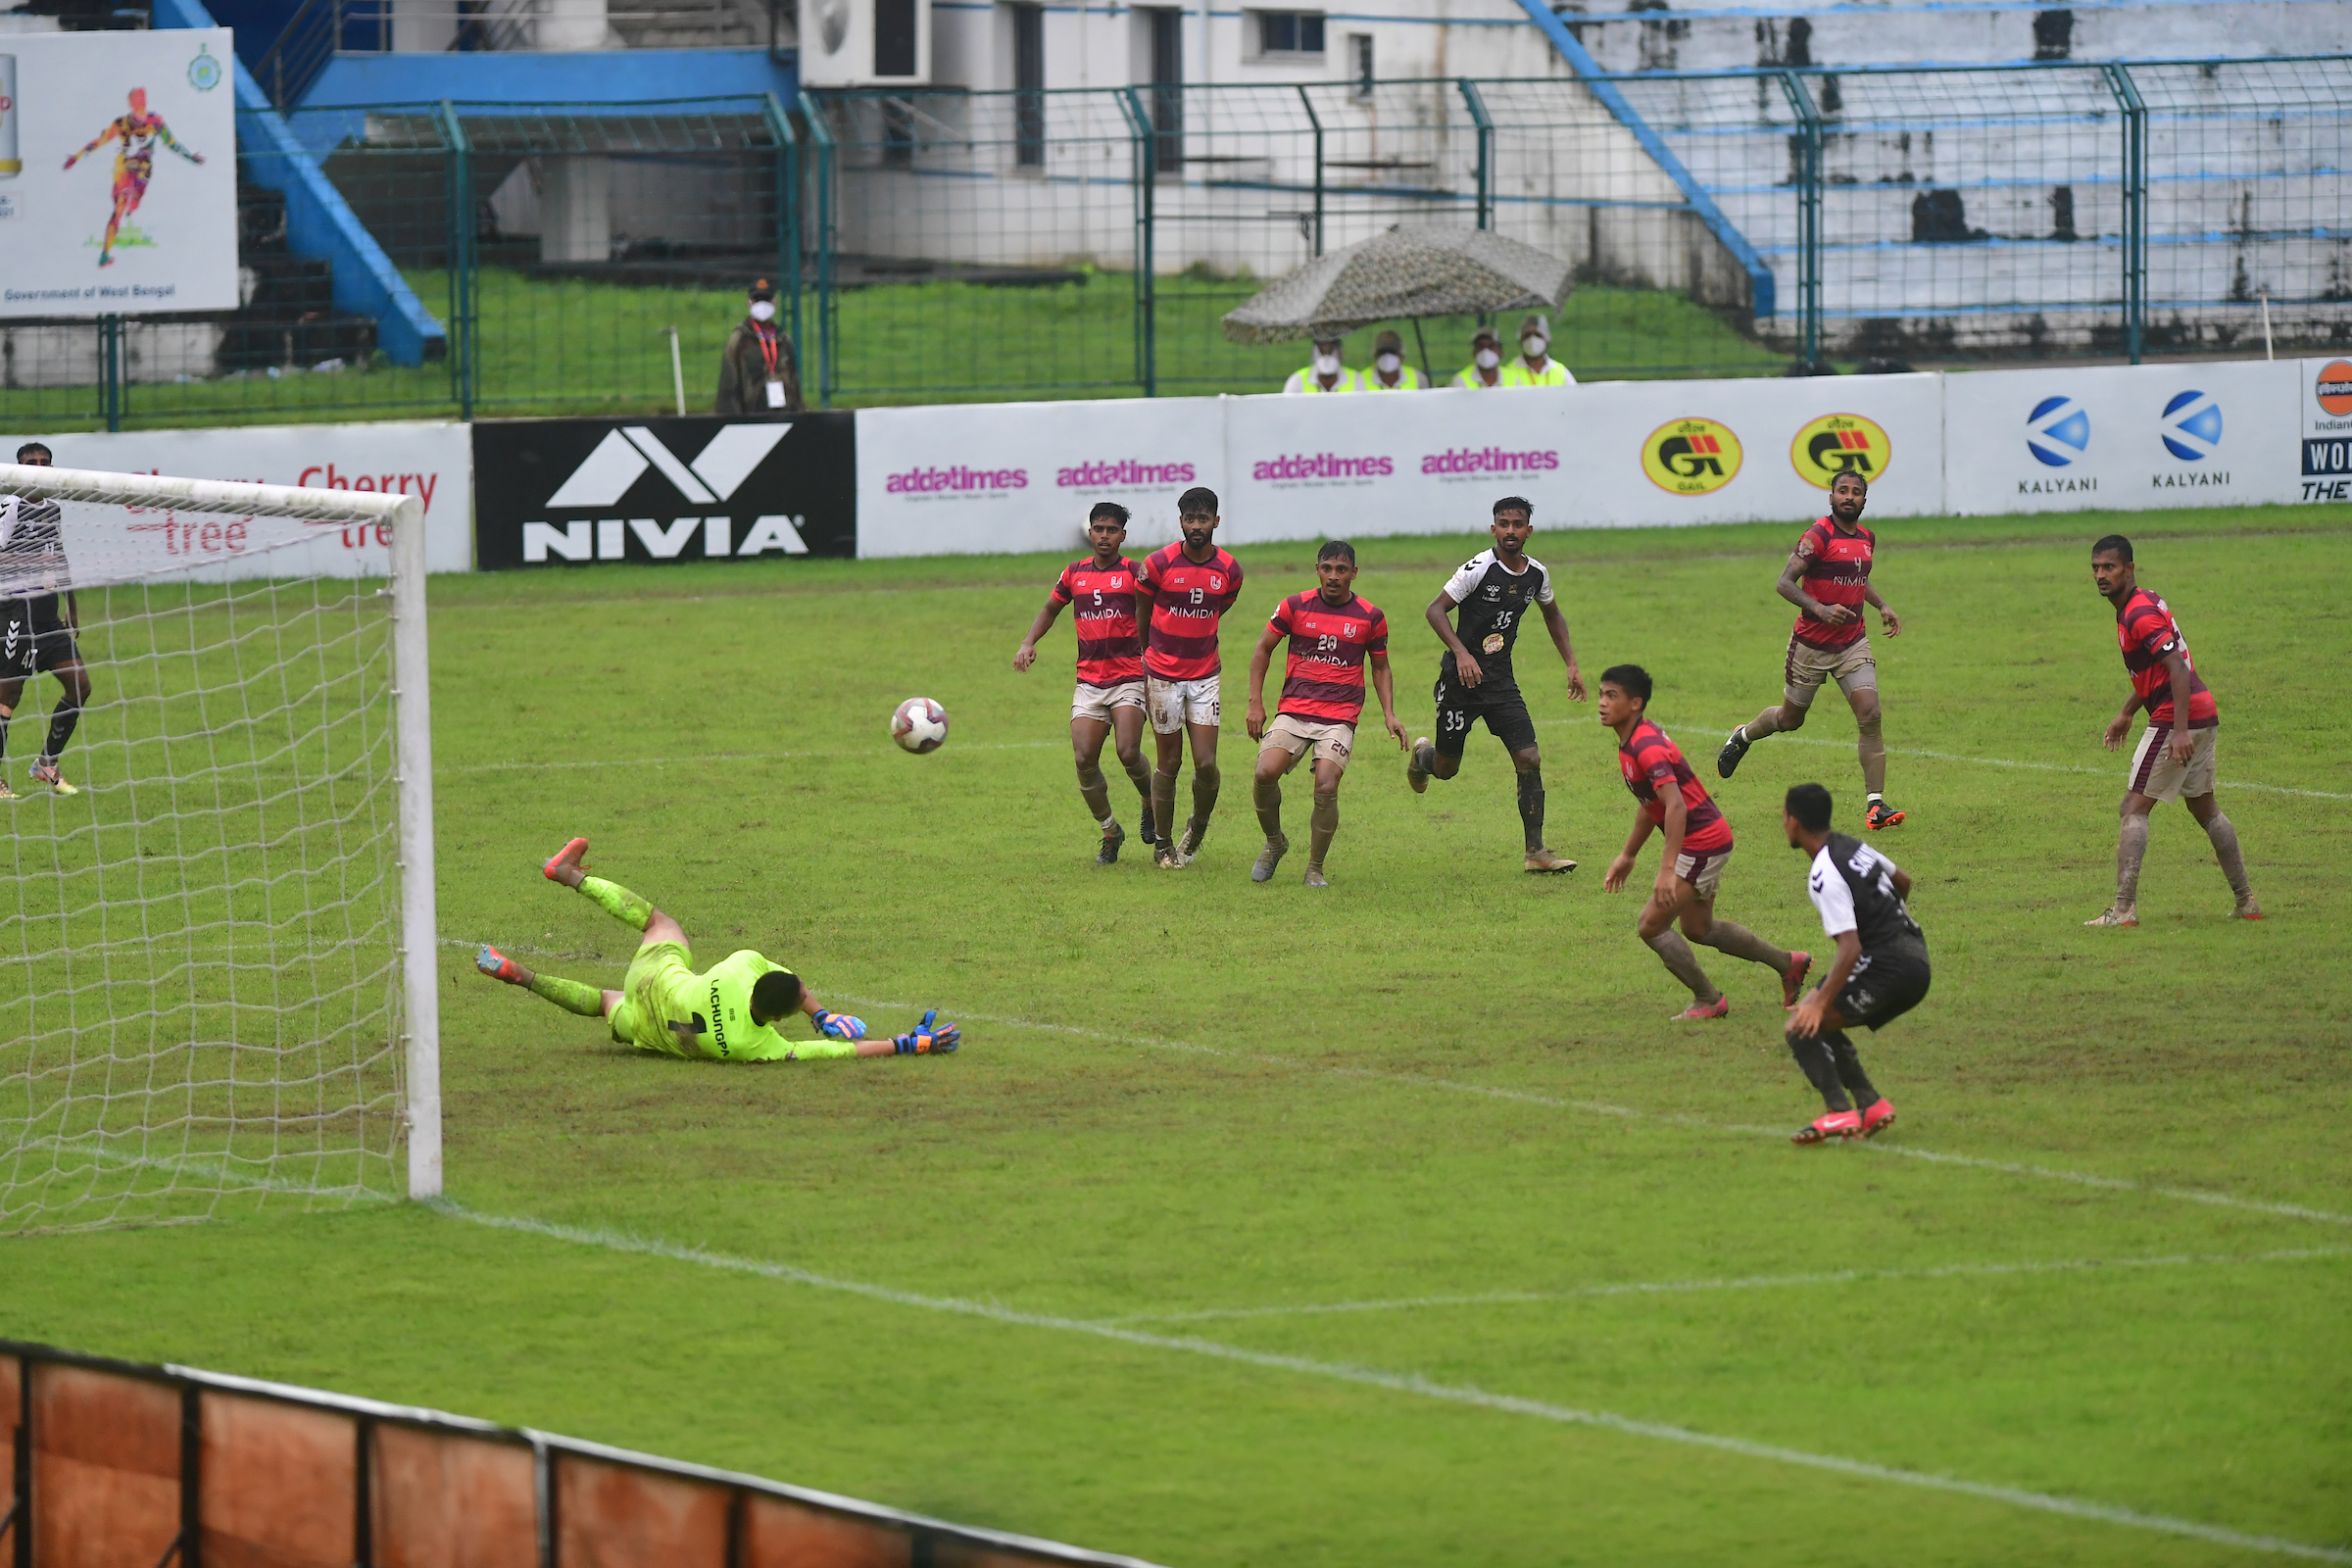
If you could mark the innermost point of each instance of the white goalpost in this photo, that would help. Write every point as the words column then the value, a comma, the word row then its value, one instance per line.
column 218, row 976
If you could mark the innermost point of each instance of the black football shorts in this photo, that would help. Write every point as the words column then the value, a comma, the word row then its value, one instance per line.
column 33, row 637
column 1501, row 707
column 1885, row 985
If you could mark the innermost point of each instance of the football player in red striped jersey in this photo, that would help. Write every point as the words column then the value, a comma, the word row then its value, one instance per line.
column 2174, row 759
column 1333, row 636
column 1669, row 797
column 1109, row 699
column 1188, row 586
column 1828, row 580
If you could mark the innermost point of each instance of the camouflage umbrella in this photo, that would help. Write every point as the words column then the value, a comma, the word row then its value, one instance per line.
column 1406, row 272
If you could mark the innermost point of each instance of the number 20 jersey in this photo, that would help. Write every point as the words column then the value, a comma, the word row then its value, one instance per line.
column 1493, row 603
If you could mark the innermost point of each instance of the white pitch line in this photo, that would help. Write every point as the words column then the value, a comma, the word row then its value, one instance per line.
column 1753, row 1282
column 1420, row 1386
column 1630, row 1113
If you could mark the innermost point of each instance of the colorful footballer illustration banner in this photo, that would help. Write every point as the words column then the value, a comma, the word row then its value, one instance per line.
column 118, row 173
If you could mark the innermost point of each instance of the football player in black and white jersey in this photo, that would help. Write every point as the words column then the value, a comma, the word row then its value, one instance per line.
column 1492, row 596
column 37, row 622
column 1880, row 974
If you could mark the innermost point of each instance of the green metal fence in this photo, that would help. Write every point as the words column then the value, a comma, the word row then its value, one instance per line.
column 939, row 244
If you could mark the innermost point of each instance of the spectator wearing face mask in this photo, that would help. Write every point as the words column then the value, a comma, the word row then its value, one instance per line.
column 1485, row 369
column 1325, row 372
column 1534, row 366
column 1389, row 372
column 758, row 372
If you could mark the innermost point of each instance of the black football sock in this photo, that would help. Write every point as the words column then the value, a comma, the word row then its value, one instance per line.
column 62, row 720
column 1531, row 807
column 1820, row 1067
column 1425, row 757
column 6, row 713
column 1849, row 1069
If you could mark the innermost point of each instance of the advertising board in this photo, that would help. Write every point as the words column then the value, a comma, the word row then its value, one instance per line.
column 2324, row 398
column 118, row 173
column 964, row 478
column 432, row 462
column 2121, row 437
column 551, row 491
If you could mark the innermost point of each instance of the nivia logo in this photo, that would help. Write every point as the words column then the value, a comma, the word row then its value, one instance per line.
column 2193, row 427
column 2058, row 431
column 621, row 458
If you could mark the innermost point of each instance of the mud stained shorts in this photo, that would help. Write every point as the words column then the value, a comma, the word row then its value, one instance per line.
column 1174, row 704
column 1097, row 702
column 2156, row 775
column 660, row 991
column 1501, row 707
column 1330, row 742
column 1885, row 984
column 33, row 637
column 1702, row 869
column 1852, row 667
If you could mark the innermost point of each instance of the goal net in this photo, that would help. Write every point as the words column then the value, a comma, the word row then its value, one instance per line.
column 215, row 952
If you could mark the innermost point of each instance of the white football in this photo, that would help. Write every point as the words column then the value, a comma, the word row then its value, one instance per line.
column 920, row 724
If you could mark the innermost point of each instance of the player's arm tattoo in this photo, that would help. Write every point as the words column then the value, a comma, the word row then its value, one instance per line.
column 1792, row 586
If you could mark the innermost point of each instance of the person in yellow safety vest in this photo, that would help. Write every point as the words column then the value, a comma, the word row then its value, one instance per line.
column 1326, row 372
column 1389, row 372
column 1532, row 368
column 1485, row 369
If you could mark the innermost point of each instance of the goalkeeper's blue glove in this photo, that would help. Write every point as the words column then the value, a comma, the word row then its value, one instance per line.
column 927, row 1038
column 838, row 1025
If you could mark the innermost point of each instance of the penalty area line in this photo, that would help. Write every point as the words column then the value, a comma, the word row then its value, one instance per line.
column 2117, row 1183
column 1413, row 1383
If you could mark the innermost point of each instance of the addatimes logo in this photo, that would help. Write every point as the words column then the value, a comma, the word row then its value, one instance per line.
column 2193, row 427
column 2058, row 431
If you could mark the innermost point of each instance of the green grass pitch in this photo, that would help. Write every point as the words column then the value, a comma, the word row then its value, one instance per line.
column 1603, row 1311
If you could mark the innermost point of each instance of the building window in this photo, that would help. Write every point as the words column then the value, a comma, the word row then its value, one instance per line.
column 1290, row 32
column 1029, row 86
column 1359, row 62
column 1167, row 89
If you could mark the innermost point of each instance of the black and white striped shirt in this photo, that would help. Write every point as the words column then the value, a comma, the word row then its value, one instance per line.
column 32, row 547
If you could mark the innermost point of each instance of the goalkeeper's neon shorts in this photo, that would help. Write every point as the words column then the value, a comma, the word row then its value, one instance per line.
column 660, row 991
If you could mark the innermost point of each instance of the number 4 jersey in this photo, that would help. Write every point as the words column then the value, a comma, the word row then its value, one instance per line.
column 1493, row 601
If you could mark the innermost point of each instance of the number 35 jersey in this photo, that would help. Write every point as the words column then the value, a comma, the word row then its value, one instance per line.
column 1493, row 603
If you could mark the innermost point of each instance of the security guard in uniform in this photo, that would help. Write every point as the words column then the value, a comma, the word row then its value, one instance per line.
column 1484, row 372
column 1389, row 372
column 1534, row 366
column 1326, row 372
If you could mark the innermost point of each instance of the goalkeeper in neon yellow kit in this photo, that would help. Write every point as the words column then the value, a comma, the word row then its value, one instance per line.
column 726, row 1013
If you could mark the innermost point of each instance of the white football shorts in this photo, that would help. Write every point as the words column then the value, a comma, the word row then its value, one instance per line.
column 1175, row 704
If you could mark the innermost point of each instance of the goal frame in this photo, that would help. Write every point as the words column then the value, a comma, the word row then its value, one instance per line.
column 413, row 723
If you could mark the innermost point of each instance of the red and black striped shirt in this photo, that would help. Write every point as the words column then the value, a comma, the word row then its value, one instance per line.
column 2145, row 627
column 1110, row 650
column 1836, row 572
column 1324, row 680
column 1650, row 761
column 1188, row 599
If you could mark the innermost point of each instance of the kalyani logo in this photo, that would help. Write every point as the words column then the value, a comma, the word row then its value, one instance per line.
column 2191, row 431
column 622, row 457
column 2057, row 432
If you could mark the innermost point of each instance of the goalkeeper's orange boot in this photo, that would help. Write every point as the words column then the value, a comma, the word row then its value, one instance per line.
column 573, row 857
column 498, row 967
column 44, row 771
column 1877, row 1118
column 1837, row 1124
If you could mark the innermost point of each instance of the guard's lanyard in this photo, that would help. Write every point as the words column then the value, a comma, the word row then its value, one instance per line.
column 767, row 346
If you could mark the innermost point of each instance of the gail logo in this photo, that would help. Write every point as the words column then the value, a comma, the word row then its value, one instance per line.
column 2057, row 431
column 621, row 458
column 2191, row 426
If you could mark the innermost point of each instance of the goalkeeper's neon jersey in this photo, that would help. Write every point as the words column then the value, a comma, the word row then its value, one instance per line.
column 726, row 989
